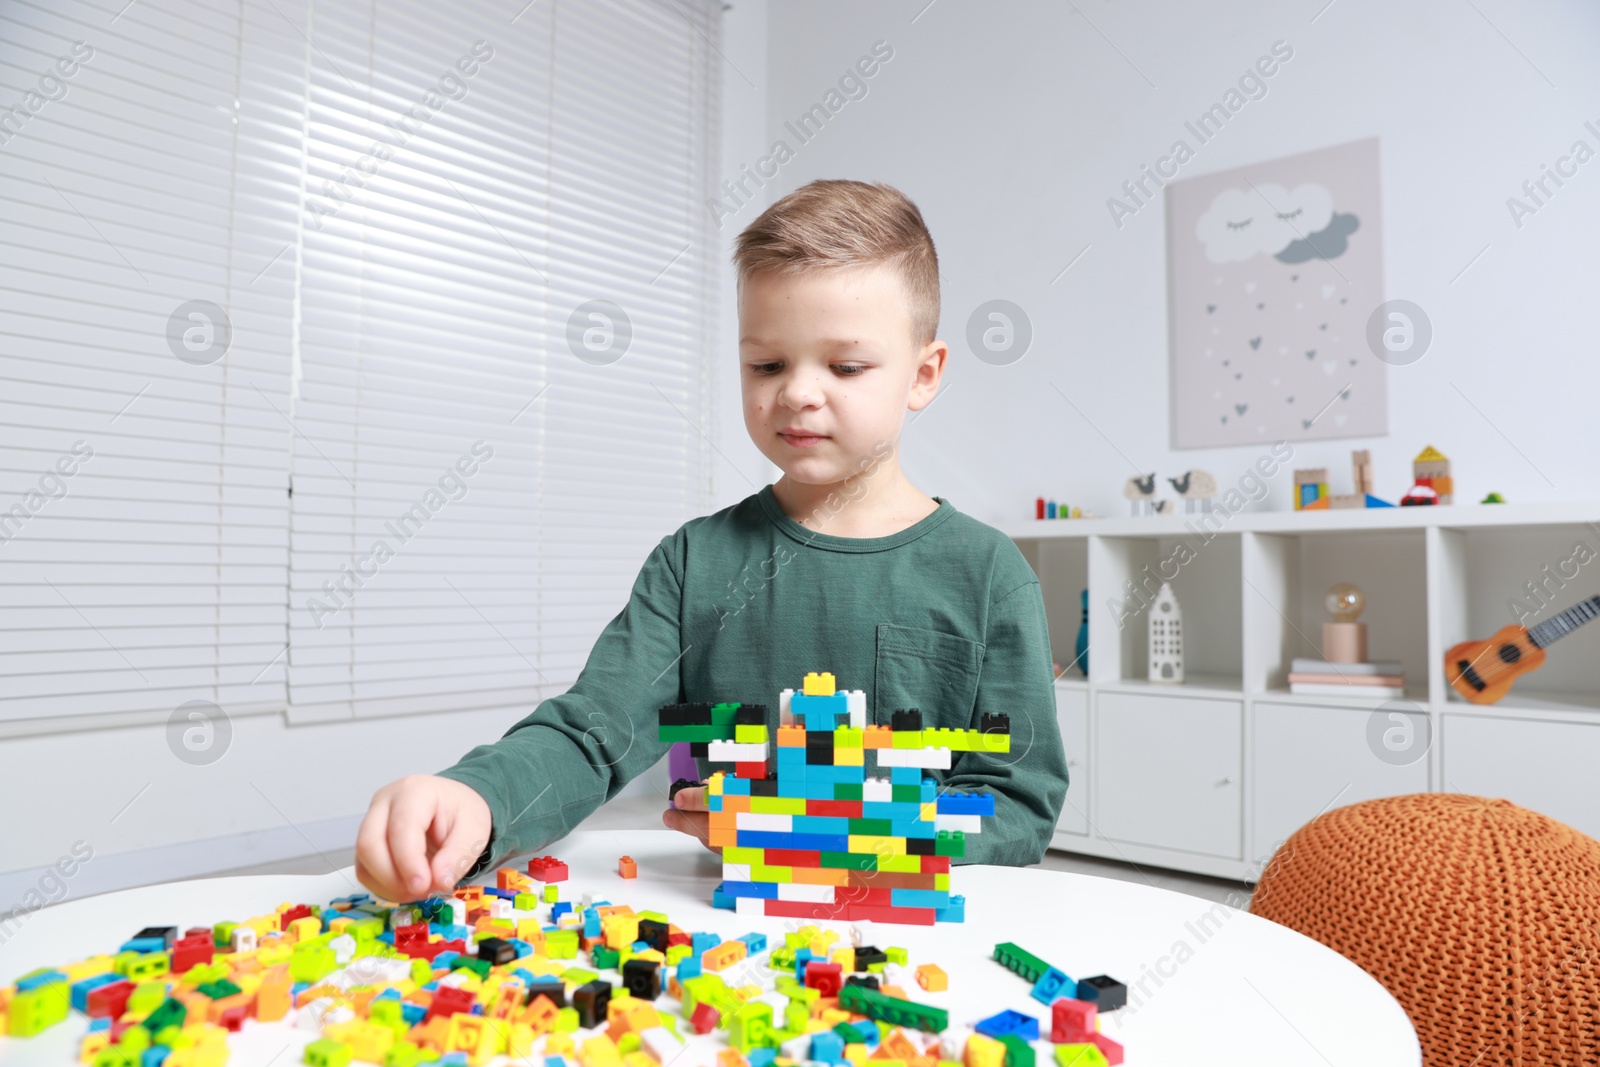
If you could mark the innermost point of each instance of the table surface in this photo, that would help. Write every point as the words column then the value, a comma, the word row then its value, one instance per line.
column 1207, row 983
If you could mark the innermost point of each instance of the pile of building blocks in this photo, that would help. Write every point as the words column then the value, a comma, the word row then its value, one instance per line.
column 805, row 832
column 514, row 970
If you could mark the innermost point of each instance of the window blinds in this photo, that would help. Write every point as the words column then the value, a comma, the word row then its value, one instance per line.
column 147, row 171
column 467, row 270
column 479, row 479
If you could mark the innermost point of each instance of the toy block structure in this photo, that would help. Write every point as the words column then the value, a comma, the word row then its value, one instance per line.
column 1310, row 486
column 1432, row 468
column 807, row 831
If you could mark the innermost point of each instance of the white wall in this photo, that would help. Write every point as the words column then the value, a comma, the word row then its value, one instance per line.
column 282, row 791
column 1011, row 123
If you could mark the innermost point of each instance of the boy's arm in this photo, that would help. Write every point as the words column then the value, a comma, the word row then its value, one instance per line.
column 576, row 750
column 1029, row 782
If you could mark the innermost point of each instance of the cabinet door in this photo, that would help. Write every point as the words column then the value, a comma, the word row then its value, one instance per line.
column 1072, row 716
column 1167, row 771
column 1544, row 766
column 1306, row 760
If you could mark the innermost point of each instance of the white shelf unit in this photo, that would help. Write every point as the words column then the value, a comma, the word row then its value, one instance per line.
column 1210, row 776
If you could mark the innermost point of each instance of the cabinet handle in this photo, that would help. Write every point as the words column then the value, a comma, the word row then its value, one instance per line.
column 1072, row 763
column 1226, row 781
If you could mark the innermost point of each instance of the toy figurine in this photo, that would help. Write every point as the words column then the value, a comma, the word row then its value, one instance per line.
column 1141, row 494
column 1166, row 637
column 1432, row 468
column 1196, row 487
column 1081, row 649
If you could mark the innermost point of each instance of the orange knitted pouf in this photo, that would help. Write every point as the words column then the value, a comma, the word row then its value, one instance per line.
column 1481, row 918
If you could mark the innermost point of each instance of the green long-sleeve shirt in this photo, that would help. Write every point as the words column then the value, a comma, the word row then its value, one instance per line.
column 945, row 616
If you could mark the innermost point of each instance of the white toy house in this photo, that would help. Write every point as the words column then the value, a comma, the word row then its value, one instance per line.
column 1166, row 637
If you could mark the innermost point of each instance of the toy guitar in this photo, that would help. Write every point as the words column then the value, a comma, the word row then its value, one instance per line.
column 1482, row 671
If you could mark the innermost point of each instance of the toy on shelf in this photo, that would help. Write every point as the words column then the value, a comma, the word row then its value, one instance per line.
column 814, row 836
column 1080, row 650
column 1166, row 637
column 1311, row 487
column 1493, row 498
column 1432, row 468
column 1196, row 488
column 1482, row 671
column 1043, row 509
column 1140, row 492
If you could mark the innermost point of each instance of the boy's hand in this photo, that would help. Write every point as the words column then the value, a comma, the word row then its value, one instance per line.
column 421, row 834
column 689, row 815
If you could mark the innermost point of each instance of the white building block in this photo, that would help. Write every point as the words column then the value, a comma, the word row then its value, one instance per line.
column 877, row 789
column 809, row 894
column 734, row 752
column 736, row 872
column 856, row 706
column 967, row 824
column 928, row 758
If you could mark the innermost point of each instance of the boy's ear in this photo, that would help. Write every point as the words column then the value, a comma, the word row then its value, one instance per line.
column 930, row 369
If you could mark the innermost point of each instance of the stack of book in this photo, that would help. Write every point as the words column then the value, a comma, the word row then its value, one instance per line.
column 1382, row 679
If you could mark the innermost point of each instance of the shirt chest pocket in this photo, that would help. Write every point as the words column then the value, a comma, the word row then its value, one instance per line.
column 927, row 669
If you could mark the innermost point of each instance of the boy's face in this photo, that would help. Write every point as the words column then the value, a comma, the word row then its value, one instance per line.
column 829, row 368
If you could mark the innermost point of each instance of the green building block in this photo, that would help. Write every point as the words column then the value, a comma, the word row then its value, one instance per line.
column 606, row 958
column 312, row 962
column 170, row 1013
column 222, row 934
column 751, row 1026
column 405, row 1054
column 1084, row 1055
column 551, row 894
column 566, row 1020
column 326, row 1052
column 578, row 976
column 219, row 989
column 893, row 1010
column 952, row 843
column 896, row 955
column 525, row 902
column 1024, row 963
column 675, row 953
column 146, row 996
column 1018, row 1052
column 116, row 1056
column 561, row 944
column 38, row 1009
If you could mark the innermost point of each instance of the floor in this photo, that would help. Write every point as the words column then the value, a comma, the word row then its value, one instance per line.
column 644, row 812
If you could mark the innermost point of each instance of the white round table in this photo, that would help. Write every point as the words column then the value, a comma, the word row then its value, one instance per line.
column 1207, row 983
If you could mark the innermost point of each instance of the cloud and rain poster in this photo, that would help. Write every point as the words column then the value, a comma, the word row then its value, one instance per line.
column 1272, row 272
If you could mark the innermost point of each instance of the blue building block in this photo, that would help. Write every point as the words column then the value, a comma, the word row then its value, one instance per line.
column 560, row 908
column 700, row 941
column 719, row 899
column 757, row 1057
column 806, row 842
column 144, row 944
column 503, row 894
column 754, row 943
column 101, row 1023
column 905, row 775
column 1053, row 985
column 965, row 804
column 445, row 960
column 80, row 990
column 953, row 912
column 154, row 1056
column 919, row 898
column 689, row 967
column 998, row 1025
column 827, row 1047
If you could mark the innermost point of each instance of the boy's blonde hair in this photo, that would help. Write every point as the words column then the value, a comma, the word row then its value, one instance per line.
column 835, row 223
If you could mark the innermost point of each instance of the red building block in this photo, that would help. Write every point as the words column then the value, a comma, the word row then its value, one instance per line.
column 1072, row 1021
column 886, row 913
column 826, row 978
column 756, row 769
column 192, row 950
column 110, row 1000
column 547, row 869
column 299, row 911
column 448, row 1001
column 704, row 1019
column 1112, row 1050
column 233, row 1019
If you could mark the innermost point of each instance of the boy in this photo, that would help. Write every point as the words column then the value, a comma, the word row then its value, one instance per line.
column 842, row 565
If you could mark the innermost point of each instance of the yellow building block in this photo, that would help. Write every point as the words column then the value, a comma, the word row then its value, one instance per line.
column 599, row 1051
column 558, row 1044
column 984, row 1051
column 91, row 1045
column 850, row 757
column 845, row 958
column 932, row 978
column 818, row 685
column 928, row 811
